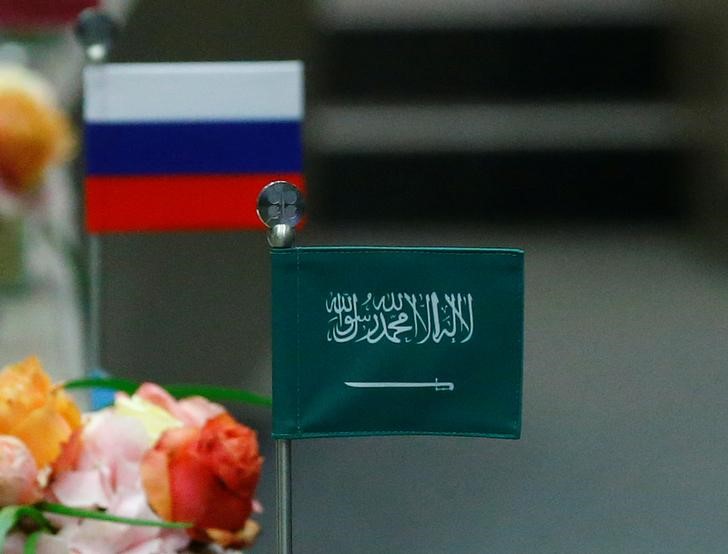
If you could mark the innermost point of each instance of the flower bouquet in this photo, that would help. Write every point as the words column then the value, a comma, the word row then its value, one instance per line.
column 149, row 474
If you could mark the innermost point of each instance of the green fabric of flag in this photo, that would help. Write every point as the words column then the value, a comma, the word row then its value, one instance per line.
column 397, row 341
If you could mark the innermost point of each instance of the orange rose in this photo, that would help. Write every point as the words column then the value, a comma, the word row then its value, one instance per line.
column 206, row 477
column 32, row 409
column 34, row 133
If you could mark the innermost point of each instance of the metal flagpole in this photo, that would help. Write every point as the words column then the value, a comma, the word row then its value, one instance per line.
column 283, row 488
column 280, row 207
column 95, row 31
column 94, row 302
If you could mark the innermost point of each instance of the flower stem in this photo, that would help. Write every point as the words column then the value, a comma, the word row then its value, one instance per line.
column 103, row 516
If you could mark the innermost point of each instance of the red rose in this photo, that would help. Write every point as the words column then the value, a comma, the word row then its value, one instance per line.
column 205, row 476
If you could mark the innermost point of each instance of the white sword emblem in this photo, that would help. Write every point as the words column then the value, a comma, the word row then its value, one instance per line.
column 437, row 385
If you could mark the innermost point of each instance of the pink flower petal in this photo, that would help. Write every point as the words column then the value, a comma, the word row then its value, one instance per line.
column 47, row 544
column 94, row 537
column 50, row 544
column 156, row 395
column 99, row 537
column 193, row 411
column 14, row 544
column 109, row 438
column 127, row 476
column 159, row 546
column 196, row 410
column 81, row 489
column 174, row 539
column 154, row 546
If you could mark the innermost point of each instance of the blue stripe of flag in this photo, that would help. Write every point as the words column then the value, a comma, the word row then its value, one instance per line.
column 221, row 147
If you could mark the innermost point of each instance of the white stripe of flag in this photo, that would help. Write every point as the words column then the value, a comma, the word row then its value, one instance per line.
column 237, row 91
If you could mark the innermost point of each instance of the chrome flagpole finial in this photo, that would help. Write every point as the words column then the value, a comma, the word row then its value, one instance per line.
column 280, row 208
column 96, row 31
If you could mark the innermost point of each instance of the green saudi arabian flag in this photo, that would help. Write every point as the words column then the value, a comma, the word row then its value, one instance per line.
column 397, row 341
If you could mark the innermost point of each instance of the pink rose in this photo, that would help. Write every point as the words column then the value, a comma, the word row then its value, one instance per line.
column 18, row 473
column 100, row 468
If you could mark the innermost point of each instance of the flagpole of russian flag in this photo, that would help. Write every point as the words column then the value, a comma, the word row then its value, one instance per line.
column 188, row 146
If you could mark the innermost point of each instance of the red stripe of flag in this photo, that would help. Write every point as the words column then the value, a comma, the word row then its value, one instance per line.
column 176, row 202
column 41, row 12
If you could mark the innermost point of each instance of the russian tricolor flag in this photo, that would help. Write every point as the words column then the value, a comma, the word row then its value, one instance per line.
column 188, row 146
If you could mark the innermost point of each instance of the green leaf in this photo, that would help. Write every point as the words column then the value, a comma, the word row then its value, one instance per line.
column 31, row 544
column 8, row 518
column 35, row 514
column 124, row 385
column 103, row 516
column 10, row 515
column 218, row 394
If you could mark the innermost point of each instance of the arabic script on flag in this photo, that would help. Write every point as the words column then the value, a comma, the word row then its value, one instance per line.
column 400, row 317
